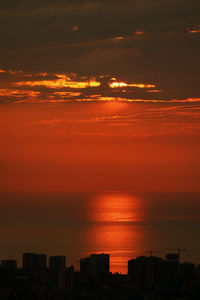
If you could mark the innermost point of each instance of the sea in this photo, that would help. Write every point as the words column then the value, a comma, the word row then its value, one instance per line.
column 120, row 223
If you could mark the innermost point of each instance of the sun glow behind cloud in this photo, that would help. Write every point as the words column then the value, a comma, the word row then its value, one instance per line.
column 137, row 85
column 61, row 87
column 43, row 87
column 63, row 81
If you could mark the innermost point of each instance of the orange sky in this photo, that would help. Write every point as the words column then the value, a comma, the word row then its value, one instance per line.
column 78, row 136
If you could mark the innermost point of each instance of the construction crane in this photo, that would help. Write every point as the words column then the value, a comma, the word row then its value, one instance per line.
column 178, row 250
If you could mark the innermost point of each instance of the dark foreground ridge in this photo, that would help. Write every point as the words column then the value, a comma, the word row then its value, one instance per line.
column 148, row 278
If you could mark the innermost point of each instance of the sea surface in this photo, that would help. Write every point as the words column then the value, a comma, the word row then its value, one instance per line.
column 123, row 224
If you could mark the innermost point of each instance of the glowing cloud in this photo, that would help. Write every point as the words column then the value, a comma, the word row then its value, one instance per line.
column 18, row 93
column 139, row 33
column 18, row 96
column 43, row 74
column 118, row 38
column 62, row 81
column 69, row 87
column 132, row 100
column 67, row 94
column 137, row 85
column 194, row 30
column 154, row 91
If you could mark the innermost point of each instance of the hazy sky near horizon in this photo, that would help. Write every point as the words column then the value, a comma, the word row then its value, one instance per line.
column 100, row 95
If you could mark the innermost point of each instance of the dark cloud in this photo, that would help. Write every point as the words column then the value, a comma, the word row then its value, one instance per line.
column 38, row 36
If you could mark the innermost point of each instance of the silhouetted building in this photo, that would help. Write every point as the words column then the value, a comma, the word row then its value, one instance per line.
column 155, row 271
column 197, row 272
column 137, row 269
column 66, row 279
column 187, row 272
column 32, row 261
column 96, row 265
column 172, row 257
column 9, row 264
column 57, row 263
column 85, row 265
column 149, row 278
column 147, row 271
column 39, row 294
column 172, row 269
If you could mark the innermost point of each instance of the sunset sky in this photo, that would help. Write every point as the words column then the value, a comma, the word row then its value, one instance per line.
column 100, row 95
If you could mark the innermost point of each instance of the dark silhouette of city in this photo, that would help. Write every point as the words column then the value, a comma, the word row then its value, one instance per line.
column 148, row 277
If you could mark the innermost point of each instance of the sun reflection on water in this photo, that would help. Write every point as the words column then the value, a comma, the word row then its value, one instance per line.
column 115, row 227
column 117, row 208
